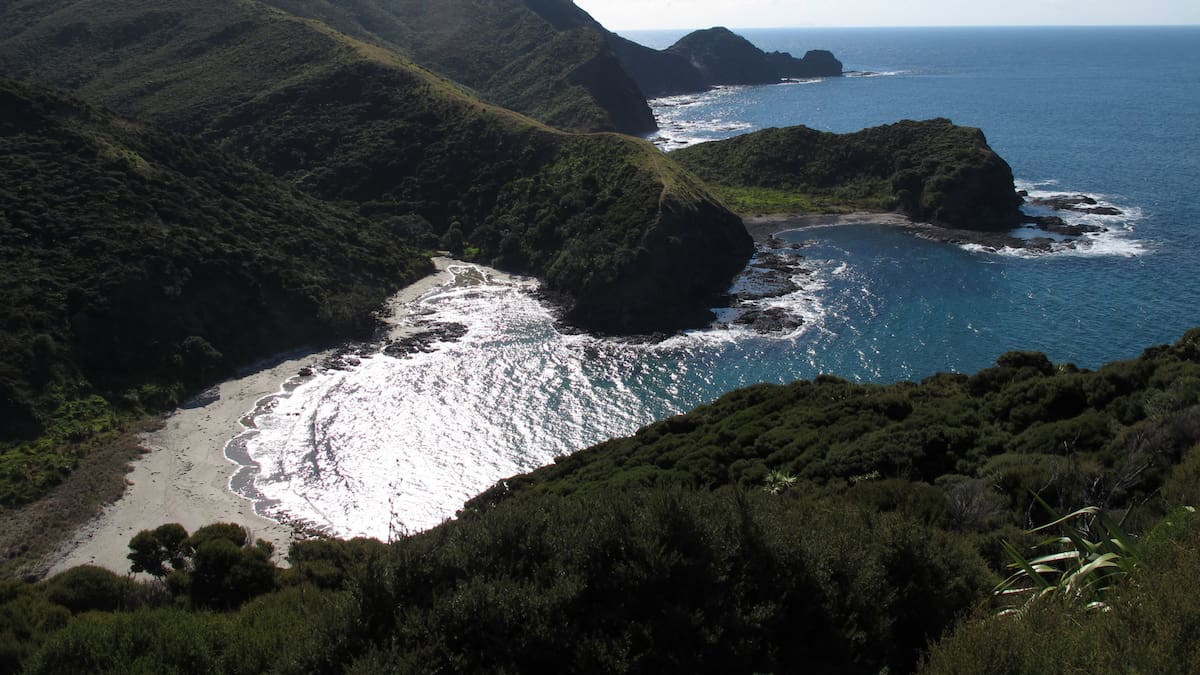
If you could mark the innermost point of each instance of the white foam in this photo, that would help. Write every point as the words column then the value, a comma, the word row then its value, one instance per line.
column 883, row 73
column 1116, row 241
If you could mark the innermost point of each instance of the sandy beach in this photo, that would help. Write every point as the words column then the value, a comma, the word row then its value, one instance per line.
column 184, row 475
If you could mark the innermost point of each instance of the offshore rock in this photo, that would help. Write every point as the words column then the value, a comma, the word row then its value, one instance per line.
column 714, row 57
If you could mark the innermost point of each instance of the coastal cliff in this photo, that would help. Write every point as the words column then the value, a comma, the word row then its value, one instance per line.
column 716, row 56
column 932, row 171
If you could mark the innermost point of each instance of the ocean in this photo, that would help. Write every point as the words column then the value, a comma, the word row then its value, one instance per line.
column 396, row 444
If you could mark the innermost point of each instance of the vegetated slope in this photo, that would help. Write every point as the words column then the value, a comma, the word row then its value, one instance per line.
column 932, row 171
column 820, row 526
column 137, row 264
column 633, row 242
column 532, row 57
column 547, row 59
column 716, row 56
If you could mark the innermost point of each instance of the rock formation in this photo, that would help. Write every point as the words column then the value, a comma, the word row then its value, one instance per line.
column 712, row 57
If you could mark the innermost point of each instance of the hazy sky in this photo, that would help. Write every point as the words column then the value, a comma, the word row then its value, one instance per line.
column 637, row 14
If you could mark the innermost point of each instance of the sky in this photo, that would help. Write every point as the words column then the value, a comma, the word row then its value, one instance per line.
column 649, row 14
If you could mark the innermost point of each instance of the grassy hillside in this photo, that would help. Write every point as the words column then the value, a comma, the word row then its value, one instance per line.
column 536, row 58
column 816, row 527
column 547, row 59
column 137, row 265
column 933, row 171
column 631, row 242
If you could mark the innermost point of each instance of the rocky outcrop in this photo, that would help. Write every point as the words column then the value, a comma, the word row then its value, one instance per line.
column 1077, row 203
column 724, row 57
column 815, row 63
column 712, row 57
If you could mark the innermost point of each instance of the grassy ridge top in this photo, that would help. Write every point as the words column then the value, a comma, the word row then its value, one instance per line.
column 546, row 59
column 137, row 264
column 112, row 52
column 931, row 170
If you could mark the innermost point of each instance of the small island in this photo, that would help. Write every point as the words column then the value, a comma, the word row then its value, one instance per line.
column 934, row 177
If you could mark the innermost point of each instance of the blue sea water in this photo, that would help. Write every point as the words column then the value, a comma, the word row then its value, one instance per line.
column 1114, row 113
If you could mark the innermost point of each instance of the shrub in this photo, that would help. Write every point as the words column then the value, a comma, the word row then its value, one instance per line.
column 87, row 587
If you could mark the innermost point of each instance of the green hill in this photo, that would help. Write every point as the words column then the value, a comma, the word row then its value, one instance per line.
column 545, row 59
column 138, row 264
column 932, row 171
column 630, row 241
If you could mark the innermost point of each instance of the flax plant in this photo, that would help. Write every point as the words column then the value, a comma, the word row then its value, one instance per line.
column 1091, row 557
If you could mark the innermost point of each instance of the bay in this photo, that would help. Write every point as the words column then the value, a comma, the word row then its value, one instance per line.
column 396, row 444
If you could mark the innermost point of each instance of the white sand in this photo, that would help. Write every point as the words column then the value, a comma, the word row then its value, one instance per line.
column 184, row 476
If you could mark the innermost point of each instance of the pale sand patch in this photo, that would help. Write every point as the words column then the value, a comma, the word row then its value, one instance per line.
column 764, row 227
column 184, row 476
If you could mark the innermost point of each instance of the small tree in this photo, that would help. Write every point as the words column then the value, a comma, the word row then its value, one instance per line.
column 156, row 552
column 216, row 566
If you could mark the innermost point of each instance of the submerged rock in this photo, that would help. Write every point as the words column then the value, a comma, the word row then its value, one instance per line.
column 1077, row 203
column 424, row 339
column 1059, row 226
column 771, row 320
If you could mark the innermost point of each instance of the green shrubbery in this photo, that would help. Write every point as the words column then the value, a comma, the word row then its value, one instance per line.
column 129, row 284
column 1077, row 438
column 1148, row 627
column 819, row 526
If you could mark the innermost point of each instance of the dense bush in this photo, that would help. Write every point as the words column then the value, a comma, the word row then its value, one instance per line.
column 217, row 566
column 140, row 265
column 932, row 170
column 1077, row 438
column 705, row 543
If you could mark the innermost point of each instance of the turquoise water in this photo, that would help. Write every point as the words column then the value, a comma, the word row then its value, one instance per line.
column 398, row 443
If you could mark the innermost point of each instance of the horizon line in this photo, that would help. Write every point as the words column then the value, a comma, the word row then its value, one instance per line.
column 964, row 25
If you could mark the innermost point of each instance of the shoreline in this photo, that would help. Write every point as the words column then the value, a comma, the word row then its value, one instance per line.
column 184, row 475
column 764, row 228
